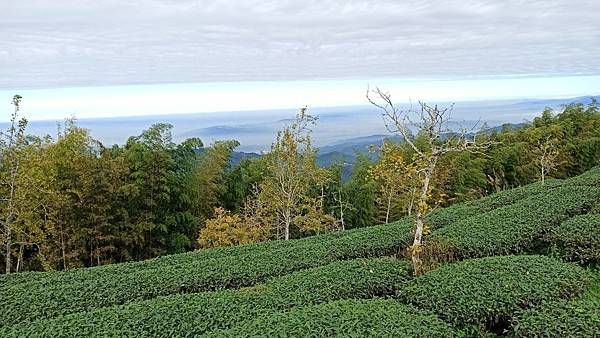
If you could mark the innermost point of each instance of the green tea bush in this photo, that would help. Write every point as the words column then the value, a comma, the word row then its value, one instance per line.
column 196, row 314
column 589, row 178
column 486, row 292
column 517, row 227
column 346, row 318
column 440, row 218
column 86, row 289
column 578, row 317
column 577, row 239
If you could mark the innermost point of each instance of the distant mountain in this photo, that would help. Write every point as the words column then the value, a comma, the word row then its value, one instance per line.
column 346, row 151
column 340, row 129
column 238, row 156
column 557, row 102
column 224, row 130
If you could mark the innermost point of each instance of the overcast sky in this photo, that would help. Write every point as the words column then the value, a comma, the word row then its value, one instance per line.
column 71, row 43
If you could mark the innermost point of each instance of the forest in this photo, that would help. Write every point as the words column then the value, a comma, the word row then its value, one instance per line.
column 69, row 201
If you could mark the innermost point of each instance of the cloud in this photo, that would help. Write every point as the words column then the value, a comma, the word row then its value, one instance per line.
column 64, row 43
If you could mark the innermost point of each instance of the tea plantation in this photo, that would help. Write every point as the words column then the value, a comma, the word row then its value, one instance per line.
column 525, row 265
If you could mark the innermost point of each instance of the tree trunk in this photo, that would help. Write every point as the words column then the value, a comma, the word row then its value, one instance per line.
column 412, row 201
column 8, row 244
column 419, row 217
column 389, row 206
column 288, row 222
column 8, row 253
column 62, row 249
column 543, row 175
column 19, row 266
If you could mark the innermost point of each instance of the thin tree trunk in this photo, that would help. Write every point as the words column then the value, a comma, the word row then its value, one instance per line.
column 287, row 229
column 419, row 218
column 389, row 206
column 412, row 202
column 288, row 222
column 543, row 175
column 20, row 259
column 8, row 253
column 62, row 249
column 341, row 210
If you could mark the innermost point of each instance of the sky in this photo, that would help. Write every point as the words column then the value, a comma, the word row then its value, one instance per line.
column 111, row 58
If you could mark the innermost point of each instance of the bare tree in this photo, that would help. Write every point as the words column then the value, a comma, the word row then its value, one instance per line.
column 342, row 205
column 548, row 156
column 431, row 122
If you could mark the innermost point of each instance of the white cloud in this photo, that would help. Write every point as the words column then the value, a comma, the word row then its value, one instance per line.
column 75, row 42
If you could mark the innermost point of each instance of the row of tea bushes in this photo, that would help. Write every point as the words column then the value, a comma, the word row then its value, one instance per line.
column 487, row 292
column 196, row 314
column 346, row 318
column 577, row 239
column 579, row 317
column 443, row 217
column 518, row 227
column 87, row 289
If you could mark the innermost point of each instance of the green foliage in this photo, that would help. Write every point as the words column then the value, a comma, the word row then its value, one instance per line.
column 52, row 294
column 361, row 192
column 442, row 217
column 207, row 181
column 196, row 314
column 514, row 160
column 579, row 317
column 577, row 239
column 589, row 178
column 346, row 318
column 517, row 227
column 488, row 291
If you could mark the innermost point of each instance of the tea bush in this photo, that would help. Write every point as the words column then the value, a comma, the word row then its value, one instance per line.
column 577, row 239
column 195, row 314
column 87, row 289
column 488, row 291
column 440, row 218
column 578, row 317
column 518, row 227
column 346, row 318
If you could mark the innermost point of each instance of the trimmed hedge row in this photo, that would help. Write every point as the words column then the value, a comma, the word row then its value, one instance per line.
column 577, row 239
column 589, row 178
column 574, row 318
column 196, row 314
column 346, row 318
column 447, row 216
column 517, row 227
column 487, row 292
column 86, row 289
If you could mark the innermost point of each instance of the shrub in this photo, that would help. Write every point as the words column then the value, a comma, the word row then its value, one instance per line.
column 577, row 239
column 486, row 292
column 447, row 216
column 517, row 227
column 346, row 318
column 589, row 178
column 196, row 314
column 86, row 289
column 578, row 317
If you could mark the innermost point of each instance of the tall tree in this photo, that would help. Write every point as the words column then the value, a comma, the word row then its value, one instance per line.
column 432, row 126
column 396, row 178
column 208, row 182
column 23, row 190
column 293, row 174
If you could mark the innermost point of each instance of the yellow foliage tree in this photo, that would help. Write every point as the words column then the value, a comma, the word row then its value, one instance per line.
column 226, row 229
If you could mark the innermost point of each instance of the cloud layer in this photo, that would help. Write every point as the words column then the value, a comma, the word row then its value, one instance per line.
column 61, row 43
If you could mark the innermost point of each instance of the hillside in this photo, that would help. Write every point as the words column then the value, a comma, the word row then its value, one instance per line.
column 523, row 265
